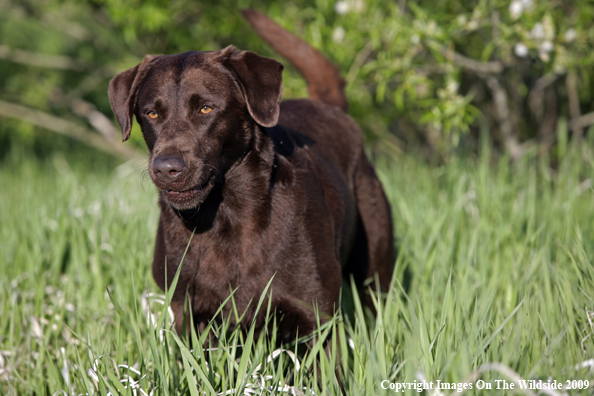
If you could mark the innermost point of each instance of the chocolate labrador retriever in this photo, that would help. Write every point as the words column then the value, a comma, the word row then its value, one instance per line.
column 255, row 188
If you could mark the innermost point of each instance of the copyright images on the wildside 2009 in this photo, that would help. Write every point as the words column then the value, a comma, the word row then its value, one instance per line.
column 499, row 384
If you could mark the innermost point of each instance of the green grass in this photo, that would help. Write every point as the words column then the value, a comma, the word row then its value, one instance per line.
column 494, row 266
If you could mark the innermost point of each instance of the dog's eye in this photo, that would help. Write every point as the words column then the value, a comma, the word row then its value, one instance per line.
column 205, row 109
column 153, row 114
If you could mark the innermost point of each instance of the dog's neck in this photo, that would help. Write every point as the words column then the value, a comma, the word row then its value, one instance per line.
column 244, row 196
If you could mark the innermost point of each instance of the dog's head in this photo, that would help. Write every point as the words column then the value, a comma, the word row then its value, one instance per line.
column 196, row 111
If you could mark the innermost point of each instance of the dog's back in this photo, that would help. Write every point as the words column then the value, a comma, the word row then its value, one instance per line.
column 339, row 143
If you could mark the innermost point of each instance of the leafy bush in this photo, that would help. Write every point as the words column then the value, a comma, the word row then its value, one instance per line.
column 419, row 74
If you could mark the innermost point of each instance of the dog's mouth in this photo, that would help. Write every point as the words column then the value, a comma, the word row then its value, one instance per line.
column 190, row 198
column 184, row 194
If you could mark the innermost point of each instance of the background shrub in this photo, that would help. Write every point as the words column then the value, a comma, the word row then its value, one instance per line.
column 420, row 74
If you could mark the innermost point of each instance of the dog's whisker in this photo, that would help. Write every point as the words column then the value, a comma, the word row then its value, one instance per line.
column 213, row 167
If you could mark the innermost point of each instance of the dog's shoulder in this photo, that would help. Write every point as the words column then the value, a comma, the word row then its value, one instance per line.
column 287, row 140
column 324, row 130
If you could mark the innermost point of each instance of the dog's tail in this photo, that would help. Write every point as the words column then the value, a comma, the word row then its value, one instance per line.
column 323, row 78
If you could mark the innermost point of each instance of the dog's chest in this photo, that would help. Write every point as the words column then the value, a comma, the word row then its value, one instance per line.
column 215, row 264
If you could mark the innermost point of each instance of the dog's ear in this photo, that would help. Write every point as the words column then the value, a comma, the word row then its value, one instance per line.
column 261, row 80
column 122, row 95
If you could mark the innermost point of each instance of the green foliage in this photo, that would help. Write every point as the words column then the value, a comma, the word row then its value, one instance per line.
column 417, row 72
column 494, row 257
column 494, row 265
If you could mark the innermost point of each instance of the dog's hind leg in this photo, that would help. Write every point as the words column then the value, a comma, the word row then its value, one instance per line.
column 373, row 249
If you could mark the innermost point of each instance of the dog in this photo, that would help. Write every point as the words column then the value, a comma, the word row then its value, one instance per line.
column 252, row 189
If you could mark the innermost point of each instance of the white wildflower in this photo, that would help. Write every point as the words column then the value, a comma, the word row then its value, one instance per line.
column 106, row 247
column 546, row 46
column 521, row 50
column 543, row 55
column 52, row 225
column 338, row 34
column 341, row 7
column 472, row 25
column 537, row 32
column 515, row 9
column 570, row 35
column 359, row 6
column 526, row 4
column 549, row 27
column 452, row 87
column 415, row 39
column 36, row 329
column 432, row 27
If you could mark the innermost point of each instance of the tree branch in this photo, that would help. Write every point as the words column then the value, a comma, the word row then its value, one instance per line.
column 536, row 95
column 510, row 140
column 571, row 83
column 67, row 128
column 582, row 121
column 41, row 60
column 492, row 67
column 97, row 119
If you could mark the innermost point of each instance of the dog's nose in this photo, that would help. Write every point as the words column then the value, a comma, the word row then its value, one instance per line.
column 168, row 169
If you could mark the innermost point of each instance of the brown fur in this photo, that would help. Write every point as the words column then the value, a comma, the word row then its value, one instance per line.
column 261, row 188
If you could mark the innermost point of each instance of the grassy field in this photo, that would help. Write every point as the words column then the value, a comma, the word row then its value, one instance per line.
column 494, row 282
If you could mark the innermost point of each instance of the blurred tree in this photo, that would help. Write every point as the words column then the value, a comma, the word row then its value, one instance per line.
column 419, row 74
